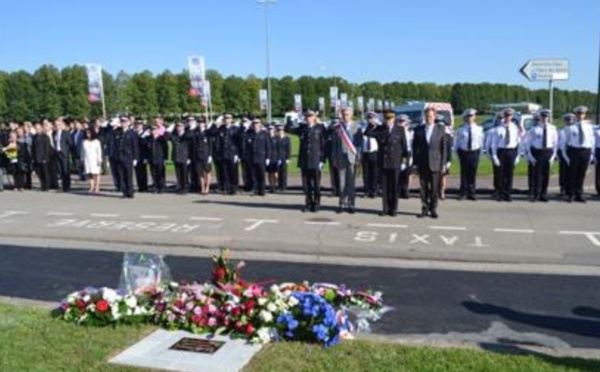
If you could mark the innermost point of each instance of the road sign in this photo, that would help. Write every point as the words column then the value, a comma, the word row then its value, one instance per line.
column 546, row 70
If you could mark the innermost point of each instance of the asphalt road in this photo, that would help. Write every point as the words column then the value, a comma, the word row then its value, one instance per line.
column 487, row 308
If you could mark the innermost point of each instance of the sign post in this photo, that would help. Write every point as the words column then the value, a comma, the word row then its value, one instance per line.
column 549, row 70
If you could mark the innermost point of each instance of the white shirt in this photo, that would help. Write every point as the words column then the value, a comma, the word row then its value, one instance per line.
column 597, row 136
column 562, row 137
column 500, row 138
column 428, row 132
column 462, row 138
column 535, row 137
column 573, row 136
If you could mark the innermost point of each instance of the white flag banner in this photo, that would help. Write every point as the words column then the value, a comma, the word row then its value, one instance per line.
column 321, row 104
column 344, row 100
column 371, row 104
column 360, row 103
column 380, row 105
column 197, row 75
column 205, row 95
column 95, row 86
column 263, row 99
column 298, row 102
column 392, row 105
column 386, row 105
column 333, row 96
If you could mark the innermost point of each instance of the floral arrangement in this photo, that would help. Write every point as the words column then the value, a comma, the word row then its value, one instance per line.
column 228, row 305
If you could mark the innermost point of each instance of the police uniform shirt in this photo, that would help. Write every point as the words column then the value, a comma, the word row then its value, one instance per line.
column 581, row 135
column 476, row 138
column 506, row 137
column 597, row 136
column 563, row 135
column 536, row 139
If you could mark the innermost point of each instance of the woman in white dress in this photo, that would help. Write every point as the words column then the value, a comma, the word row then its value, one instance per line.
column 92, row 159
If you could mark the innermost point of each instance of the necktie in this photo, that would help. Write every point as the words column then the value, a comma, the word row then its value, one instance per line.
column 545, row 137
column 507, row 138
column 58, row 141
column 470, row 144
column 581, row 134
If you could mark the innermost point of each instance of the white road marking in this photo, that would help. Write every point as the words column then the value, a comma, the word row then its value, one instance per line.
column 12, row 213
column 450, row 228
column 478, row 243
column 516, row 231
column 387, row 226
column 150, row 217
column 215, row 219
column 420, row 239
column 591, row 235
column 59, row 214
column 105, row 215
column 321, row 223
column 258, row 223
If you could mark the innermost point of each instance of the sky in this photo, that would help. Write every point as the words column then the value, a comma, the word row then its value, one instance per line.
column 437, row 41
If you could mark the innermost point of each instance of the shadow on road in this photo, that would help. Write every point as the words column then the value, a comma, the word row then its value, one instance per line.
column 587, row 312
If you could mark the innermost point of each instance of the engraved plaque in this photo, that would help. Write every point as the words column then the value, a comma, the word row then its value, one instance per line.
column 197, row 345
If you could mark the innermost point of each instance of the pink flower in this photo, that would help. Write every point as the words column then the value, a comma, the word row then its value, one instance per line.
column 197, row 310
column 189, row 306
column 212, row 309
column 212, row 322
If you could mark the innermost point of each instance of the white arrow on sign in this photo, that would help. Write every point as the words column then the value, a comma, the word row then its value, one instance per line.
column 546, row 70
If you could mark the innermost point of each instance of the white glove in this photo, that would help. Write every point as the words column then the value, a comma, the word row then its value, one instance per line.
column 188, row 162
column 410, row 161
column 267, row 162
column 236, row 159
column 448, row 165
column 135, row 163
column 321, row 166
column 193, row 126
column 496, row 161
column 402, row 167
column 210, row 160
column 567, row 160
column 532, row 160
column 517, row 160
column 552, row 158
column 287, row 161
column 279, row 163
column 170, row 128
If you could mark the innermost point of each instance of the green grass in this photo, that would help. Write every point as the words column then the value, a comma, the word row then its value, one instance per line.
column 30, row 340
column 357, row 356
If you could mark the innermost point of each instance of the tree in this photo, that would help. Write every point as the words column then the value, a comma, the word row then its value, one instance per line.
column 3, row 96
column 167, row 93
column 122, row 101
column 142, row 93
column 22, row 97
column 74, row 91
column 47, row 82
column 216, row 88
column 234, row 94
column 457, row 98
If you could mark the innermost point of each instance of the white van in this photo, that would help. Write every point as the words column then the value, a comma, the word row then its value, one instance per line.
column 415, row 110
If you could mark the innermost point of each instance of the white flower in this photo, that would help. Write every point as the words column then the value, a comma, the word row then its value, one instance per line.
column 293, row 301
column 265, row 335
column 262, row 301
column 110, row 295
column 131, row 301
column 86, row 298
column 272, row 307
column 266, row 316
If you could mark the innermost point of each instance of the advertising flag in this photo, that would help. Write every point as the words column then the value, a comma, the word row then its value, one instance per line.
column 95, row 86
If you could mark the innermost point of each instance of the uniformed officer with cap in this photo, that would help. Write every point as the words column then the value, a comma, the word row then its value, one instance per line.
column 441, row 120
column 580, row 142
column 370, row 166
column 158, row 151
column 403, row 121
column 505, row 154
column 227, row 145
column 563, row 177
column 540, row 147
column 469, row 144
column 285, row 151
column 273, row 167
column 259, row 156
column 141, row 168
column 392, row 159
column 311, row 157
column 126, row 155
column 180, row 145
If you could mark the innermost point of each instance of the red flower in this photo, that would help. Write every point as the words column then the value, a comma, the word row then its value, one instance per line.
column 102, row 306
column 236, row 312
column 238, row 325
column 179, row 304
column 249, row 329
column 220, row 274
column 80, row 304
column 196, row 319
column 250, row 305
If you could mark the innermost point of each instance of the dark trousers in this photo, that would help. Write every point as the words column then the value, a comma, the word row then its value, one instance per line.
column 430, row 185
column 43, row 172
column 334, row 177
column 563, row 174
column 247, row 176
column 347, row 176
column 181, row 173
column 370, row 174
column 403, row 182
column 507, row 159
column 389, row 186
column 311, row 182
column 496, row 179
column 141, row 176
column 125, row 177
column 28, row 178
column 193, row 178
column 469, row 162
column 580, row 160
column 158, row 176
column 63, row 166
column 230, row 176
column 53, row 172
column 19, row 177
column 220, row 169
column 598, row 170
column 258, row 178
column 282, row 175
column 116, row 175
column 540, row 173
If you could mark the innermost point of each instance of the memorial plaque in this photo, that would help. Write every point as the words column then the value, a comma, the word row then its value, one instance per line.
column 197, row 345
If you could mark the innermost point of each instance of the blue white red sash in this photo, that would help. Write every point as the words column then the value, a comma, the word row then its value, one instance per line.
column 345, row 136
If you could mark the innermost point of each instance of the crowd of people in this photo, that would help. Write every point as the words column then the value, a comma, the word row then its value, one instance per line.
column 387, row 149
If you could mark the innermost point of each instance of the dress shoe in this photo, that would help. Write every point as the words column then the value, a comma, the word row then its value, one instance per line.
column 423, row 214
column 532, row 199
column 472, row 197
column 543, row 199
column 392, row 214
column 508, row 198
column 351, row 210
column 339, row 210
column 382, row 214
column 579, row 199
column 460, row 197
column 434, row 215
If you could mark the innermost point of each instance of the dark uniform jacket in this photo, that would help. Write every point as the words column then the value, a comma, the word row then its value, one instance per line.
column 125, row 146
column 227, row 141
column 41, row 148
column 180, row 147
column 66, row 142
column 430, row 156
column 157, row 149
column 259, row 148
column 285, row 148
column 312, row 145
column 201, row 146
column 392, row 146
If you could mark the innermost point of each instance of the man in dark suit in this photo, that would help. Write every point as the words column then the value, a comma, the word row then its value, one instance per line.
column 311, row 157
column 126, row 155
column 285, row 151
column 258, row 153
column 227, row 138
column 141, row 168
column 62, row 145
column 429, row 152
column 41, row 150
column 180, row 156
column 370, row 159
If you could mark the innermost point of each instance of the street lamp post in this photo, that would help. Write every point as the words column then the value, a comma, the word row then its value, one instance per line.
column 266, row 3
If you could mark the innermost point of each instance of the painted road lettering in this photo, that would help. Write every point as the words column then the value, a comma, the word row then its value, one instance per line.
column 152, row 227
column 416, row 239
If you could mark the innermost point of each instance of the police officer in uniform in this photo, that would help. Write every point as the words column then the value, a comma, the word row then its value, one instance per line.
column 126, row 155
column 505, row 156
column 469, row 143
column 392, row 158
column 227, row 144
column 180, row 156
column 285, row 152
column 259, row 156
column 404, row 176
column 580, row 143
column 141, row 168
column 311, row 157
column 274, row 162
column 370, row 158
column 201, row 156
column 158, row 151
column 540, row 148
column 334, row 174
column 563, row 177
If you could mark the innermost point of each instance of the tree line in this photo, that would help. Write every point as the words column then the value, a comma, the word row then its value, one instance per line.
column 51, row 92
